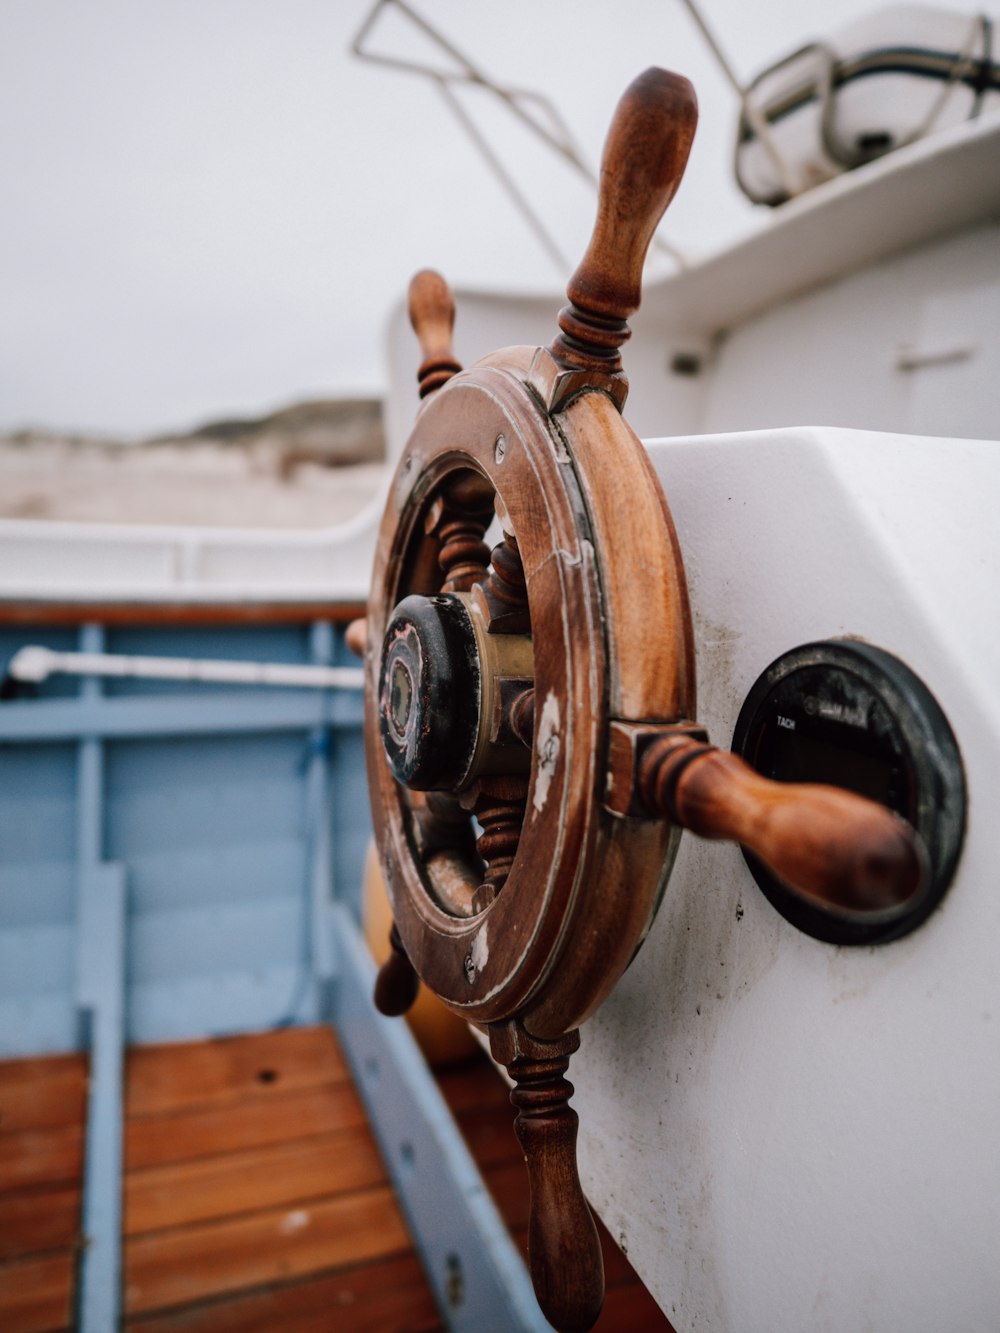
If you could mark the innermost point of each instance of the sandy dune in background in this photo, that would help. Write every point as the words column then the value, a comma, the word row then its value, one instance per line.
column 307, row 465
column 205, row 484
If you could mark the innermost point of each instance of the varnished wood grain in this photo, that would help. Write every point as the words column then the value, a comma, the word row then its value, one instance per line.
column 650, row 608
column 26, row 612
column 432, row 314
column 643, row 162
column 387, row 1297
column 489, row 1132
column 193, row 1263
column 629, row 1307
column 36, row 1294
column 255, row 1203
column 177, row 1076
column 479, row 1098
column 396, row 985
column 374, row 1296
column 35, row 1220
column 37, row 1092
column 564, row 1252
column 356, row 636
column 42, row 1107
column 543, row 504
column 253, row 1122
column 260, row 1178
column 210, row 1213
column 49, row 1156
column 473, row 1086
column 547, row 942
column 836, row 848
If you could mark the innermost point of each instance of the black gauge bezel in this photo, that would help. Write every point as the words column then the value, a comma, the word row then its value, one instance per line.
column 846, row 706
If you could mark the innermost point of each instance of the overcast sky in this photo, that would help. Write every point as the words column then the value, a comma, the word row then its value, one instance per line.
column 210, row 206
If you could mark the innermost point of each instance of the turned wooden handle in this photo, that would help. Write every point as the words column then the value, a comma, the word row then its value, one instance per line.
column 564, row 1249
column 356, row 636
column 396, row 984
column 644, row 158
column 432, row 314
column 841, row 850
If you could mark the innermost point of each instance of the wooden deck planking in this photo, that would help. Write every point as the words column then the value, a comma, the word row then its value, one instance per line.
column 40, row 1092
column 254, row 1195
column 33, row 1221
column 42, row 1107
column 36, row 1295
column 267, row 1177
column 372, row 1298
column 155, row 1140
column 172, row 1076
column 195, row 1262
column 50, row 1156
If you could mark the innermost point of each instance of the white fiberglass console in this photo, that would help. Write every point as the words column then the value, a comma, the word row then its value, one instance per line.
column 785, row 1132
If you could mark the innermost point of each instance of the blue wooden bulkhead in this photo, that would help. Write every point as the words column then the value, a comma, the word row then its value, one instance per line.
column 185, row 860
column 216, row 801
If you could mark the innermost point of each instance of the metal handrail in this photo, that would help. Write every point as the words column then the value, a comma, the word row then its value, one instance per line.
column 524, row 104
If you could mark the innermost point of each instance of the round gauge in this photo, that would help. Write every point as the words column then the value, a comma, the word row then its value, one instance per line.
column 845, row 713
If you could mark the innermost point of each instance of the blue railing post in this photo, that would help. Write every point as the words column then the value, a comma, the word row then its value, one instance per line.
column 322, row 644
column 100, row 999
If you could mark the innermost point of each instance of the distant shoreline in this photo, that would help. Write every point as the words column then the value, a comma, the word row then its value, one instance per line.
column 309, row 465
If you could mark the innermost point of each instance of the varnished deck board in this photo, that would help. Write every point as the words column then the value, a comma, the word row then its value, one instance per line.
column 176, row 1076
column 33, row 1221
column 204, row 1132
column 50, row 1156
column 36, row 1294
column 267, row 1177
column 197, row 1261
column 254, row 1195
column 369, row 1299
column 38, row 1092
column 42, row 1104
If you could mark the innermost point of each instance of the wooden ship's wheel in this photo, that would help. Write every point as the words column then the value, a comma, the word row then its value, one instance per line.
column 531, row 744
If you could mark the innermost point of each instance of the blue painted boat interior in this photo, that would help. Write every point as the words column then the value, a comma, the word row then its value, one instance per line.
column 231, row 811
column 184, row 860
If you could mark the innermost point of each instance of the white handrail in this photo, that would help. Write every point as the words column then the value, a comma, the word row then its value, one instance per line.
column 34, row 663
